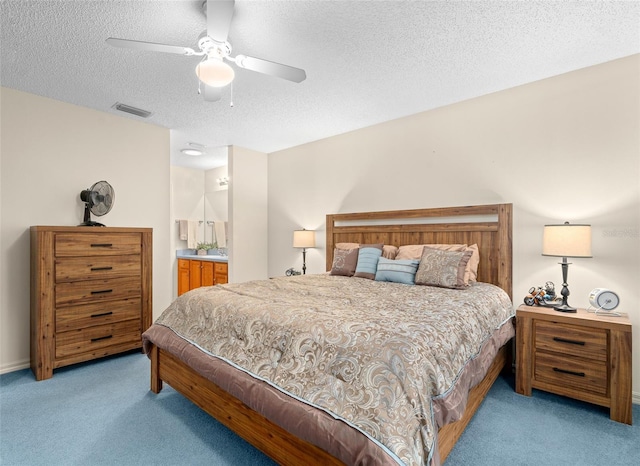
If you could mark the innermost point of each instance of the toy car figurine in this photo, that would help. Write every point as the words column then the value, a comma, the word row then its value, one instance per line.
column 541, row 296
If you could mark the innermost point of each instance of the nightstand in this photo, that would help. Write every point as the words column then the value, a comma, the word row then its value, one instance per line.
column 582, row 355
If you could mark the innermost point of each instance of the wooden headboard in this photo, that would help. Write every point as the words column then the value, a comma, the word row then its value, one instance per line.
column 488, row 226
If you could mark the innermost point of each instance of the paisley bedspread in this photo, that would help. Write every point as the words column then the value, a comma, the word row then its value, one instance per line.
column 375, row 354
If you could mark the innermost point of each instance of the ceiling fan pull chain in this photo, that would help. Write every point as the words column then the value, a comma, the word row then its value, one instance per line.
column 231, row 103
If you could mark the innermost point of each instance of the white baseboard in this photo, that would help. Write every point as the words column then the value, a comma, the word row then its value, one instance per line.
column 635, row 398
column 16, row 366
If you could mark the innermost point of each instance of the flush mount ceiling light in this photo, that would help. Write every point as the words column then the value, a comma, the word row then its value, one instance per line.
column 192, row 152
column 194, row 149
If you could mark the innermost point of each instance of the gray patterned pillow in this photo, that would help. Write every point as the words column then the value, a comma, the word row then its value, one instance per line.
column 443, row 268
column 344, row 262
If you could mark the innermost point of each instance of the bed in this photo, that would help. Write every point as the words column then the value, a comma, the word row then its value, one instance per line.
column 294, row 421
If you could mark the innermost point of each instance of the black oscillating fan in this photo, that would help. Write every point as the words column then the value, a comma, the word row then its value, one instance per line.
column 98, row 200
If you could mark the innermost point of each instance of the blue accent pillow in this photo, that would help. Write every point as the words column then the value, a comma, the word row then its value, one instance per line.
column 367, row 262
column 398, row 271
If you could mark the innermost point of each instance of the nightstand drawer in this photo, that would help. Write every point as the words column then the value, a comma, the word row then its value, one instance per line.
column 590, row 343
column 569, row 372
column 97, row 244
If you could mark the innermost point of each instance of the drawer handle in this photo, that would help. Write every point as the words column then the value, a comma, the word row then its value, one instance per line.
column 564, row 340
column 101, row 245
column 95, row 269
column 101, row 338
column 102, row 314
column 564, row 371
column 101, row 291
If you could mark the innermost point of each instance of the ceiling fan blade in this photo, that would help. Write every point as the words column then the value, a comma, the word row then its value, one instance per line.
column 150, row 46
column 272, row 68
column 219, row 15
column 210, row 93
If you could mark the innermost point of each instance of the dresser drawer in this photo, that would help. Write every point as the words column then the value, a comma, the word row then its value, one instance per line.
column 97, row 267
column 569, row 339
column 90, row 315
column 92, row 291
column 94, row 338
column 570, row 372
column 220, row 267
column 97, row 244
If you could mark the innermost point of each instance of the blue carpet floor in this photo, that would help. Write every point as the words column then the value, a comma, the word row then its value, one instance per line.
column 102, row 413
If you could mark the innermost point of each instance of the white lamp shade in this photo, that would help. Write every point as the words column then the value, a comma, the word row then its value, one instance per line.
column 566, row 240
column 304, row 239
column 214, row 72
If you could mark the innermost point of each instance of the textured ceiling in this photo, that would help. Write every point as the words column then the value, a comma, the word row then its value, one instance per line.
column 366, row 61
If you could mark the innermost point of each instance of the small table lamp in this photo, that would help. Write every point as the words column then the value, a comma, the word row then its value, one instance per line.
column 304, row 239
column 566, row 241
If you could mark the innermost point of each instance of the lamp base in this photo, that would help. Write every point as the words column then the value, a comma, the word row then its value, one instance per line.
column 565, row 308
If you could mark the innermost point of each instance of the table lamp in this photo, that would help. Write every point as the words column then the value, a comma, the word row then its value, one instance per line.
column 566, row 240
column 304, row 239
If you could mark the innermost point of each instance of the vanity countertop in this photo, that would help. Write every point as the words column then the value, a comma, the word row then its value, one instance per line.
column 190, row 254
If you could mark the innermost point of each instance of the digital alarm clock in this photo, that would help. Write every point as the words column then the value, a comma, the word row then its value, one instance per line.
column 603, row 299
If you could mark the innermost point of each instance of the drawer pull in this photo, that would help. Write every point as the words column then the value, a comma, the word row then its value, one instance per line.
column 102, row 314
column 101, row 338
column 564, row 340
column 101, row 245
column 95, row 269
column 564, row 371
column 101, row 291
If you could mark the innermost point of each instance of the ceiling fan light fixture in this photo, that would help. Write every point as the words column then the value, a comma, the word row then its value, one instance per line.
column 214, row 72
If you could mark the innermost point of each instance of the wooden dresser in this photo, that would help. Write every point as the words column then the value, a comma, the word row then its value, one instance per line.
column 91, row 293
column 580, row 355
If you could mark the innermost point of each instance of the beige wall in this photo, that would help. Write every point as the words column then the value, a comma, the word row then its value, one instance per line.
column 216, row 199
column 562, row 149
column 247, row 239
column 50, row 151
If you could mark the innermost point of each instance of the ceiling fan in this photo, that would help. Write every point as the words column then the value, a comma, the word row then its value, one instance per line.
column 213, row 72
